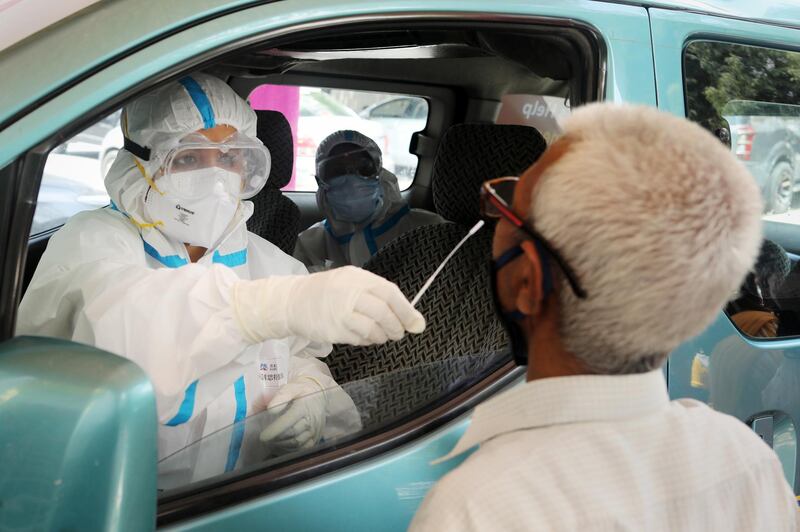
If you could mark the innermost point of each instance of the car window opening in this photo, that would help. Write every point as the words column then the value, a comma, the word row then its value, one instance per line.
column 301, row 96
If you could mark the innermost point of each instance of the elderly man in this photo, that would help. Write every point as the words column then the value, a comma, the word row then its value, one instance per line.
column 625, row 239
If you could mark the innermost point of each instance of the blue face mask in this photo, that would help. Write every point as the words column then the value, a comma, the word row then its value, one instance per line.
column 353, row 198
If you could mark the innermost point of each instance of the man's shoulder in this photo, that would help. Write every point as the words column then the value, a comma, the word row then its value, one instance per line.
column 486, row 490
column 451, row 503
column 718, row 448
column 538, row 475
column 722, row 427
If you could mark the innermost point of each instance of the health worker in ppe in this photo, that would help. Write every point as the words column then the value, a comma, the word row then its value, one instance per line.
column 362, row 205
column 223, row 322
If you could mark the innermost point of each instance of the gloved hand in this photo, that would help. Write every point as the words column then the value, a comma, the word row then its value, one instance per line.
column 346, row 305
column 300, row 407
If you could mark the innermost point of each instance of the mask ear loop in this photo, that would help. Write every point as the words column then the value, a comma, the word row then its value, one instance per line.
column 522, row 249
column 146, row 177
column 506, row 257
column 137, row 223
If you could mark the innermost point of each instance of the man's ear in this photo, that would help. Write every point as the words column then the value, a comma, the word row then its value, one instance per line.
column 530, row 295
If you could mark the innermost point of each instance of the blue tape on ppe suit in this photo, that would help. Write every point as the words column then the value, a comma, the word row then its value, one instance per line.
column 238, row 427
column 187, row 407
column 200, row 100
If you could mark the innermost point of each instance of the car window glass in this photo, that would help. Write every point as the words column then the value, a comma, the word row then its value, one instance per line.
column 317, row 103
column 394, row 109
column 73, row 174
column 749, row 97
column 420, row 109
column 314, row 113
column 545, row 113
column 360, row 406
column 354, row 409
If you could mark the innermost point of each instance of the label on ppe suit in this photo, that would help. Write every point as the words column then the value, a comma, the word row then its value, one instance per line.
column 272, row 373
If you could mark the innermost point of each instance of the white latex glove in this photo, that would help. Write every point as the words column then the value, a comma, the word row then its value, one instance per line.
column 300, row 407
column 346, row 305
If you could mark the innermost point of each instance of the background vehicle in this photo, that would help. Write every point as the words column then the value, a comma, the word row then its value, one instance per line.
column 72, row 180
column 110, row 145
column 72, row 184
column 766, row 138
column 78, row 440
column 401, row 117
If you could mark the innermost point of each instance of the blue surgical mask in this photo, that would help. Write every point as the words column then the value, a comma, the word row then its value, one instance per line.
column 353, row 198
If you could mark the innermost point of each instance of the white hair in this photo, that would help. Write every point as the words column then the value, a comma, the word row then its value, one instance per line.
column 660, row 223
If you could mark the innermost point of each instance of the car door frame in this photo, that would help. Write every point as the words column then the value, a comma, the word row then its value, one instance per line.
column 672, row 32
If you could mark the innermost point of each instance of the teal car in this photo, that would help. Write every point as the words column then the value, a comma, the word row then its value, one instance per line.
column 78, row 426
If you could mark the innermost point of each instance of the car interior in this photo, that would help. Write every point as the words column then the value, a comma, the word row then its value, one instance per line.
column 466, row 73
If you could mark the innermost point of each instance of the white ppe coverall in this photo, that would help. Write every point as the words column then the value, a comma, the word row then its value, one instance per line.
column 110, row 279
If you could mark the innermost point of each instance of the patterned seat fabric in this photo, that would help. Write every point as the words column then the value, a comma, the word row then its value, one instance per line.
column 276, row 217
column 463, row 331
column 457, row 299
column 470, row 154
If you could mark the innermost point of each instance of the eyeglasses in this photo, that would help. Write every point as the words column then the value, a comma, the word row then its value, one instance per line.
column 496, row 198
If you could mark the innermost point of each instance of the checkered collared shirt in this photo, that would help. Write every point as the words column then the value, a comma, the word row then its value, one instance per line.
column 608, row 453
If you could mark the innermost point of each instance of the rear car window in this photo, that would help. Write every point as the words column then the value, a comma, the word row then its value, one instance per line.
column 314, row 113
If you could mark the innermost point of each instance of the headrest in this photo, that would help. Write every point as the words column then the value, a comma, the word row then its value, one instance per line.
column 470, row 154
column 274, row 131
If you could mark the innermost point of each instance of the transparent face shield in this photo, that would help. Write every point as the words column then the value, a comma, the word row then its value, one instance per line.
column 361, row 162
column 193, row 167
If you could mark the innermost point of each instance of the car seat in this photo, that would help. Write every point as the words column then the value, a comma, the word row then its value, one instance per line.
column 276, row 218
column 458, row 307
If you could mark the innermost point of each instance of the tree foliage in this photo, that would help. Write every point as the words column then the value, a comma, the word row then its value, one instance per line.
column 717, row 73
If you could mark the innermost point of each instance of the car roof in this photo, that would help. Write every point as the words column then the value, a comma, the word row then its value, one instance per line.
column 774, row 11
column 22, row 18
column 67, row 50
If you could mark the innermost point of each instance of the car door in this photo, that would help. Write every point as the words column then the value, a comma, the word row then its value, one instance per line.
column 739, row 79
column 376, row 482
